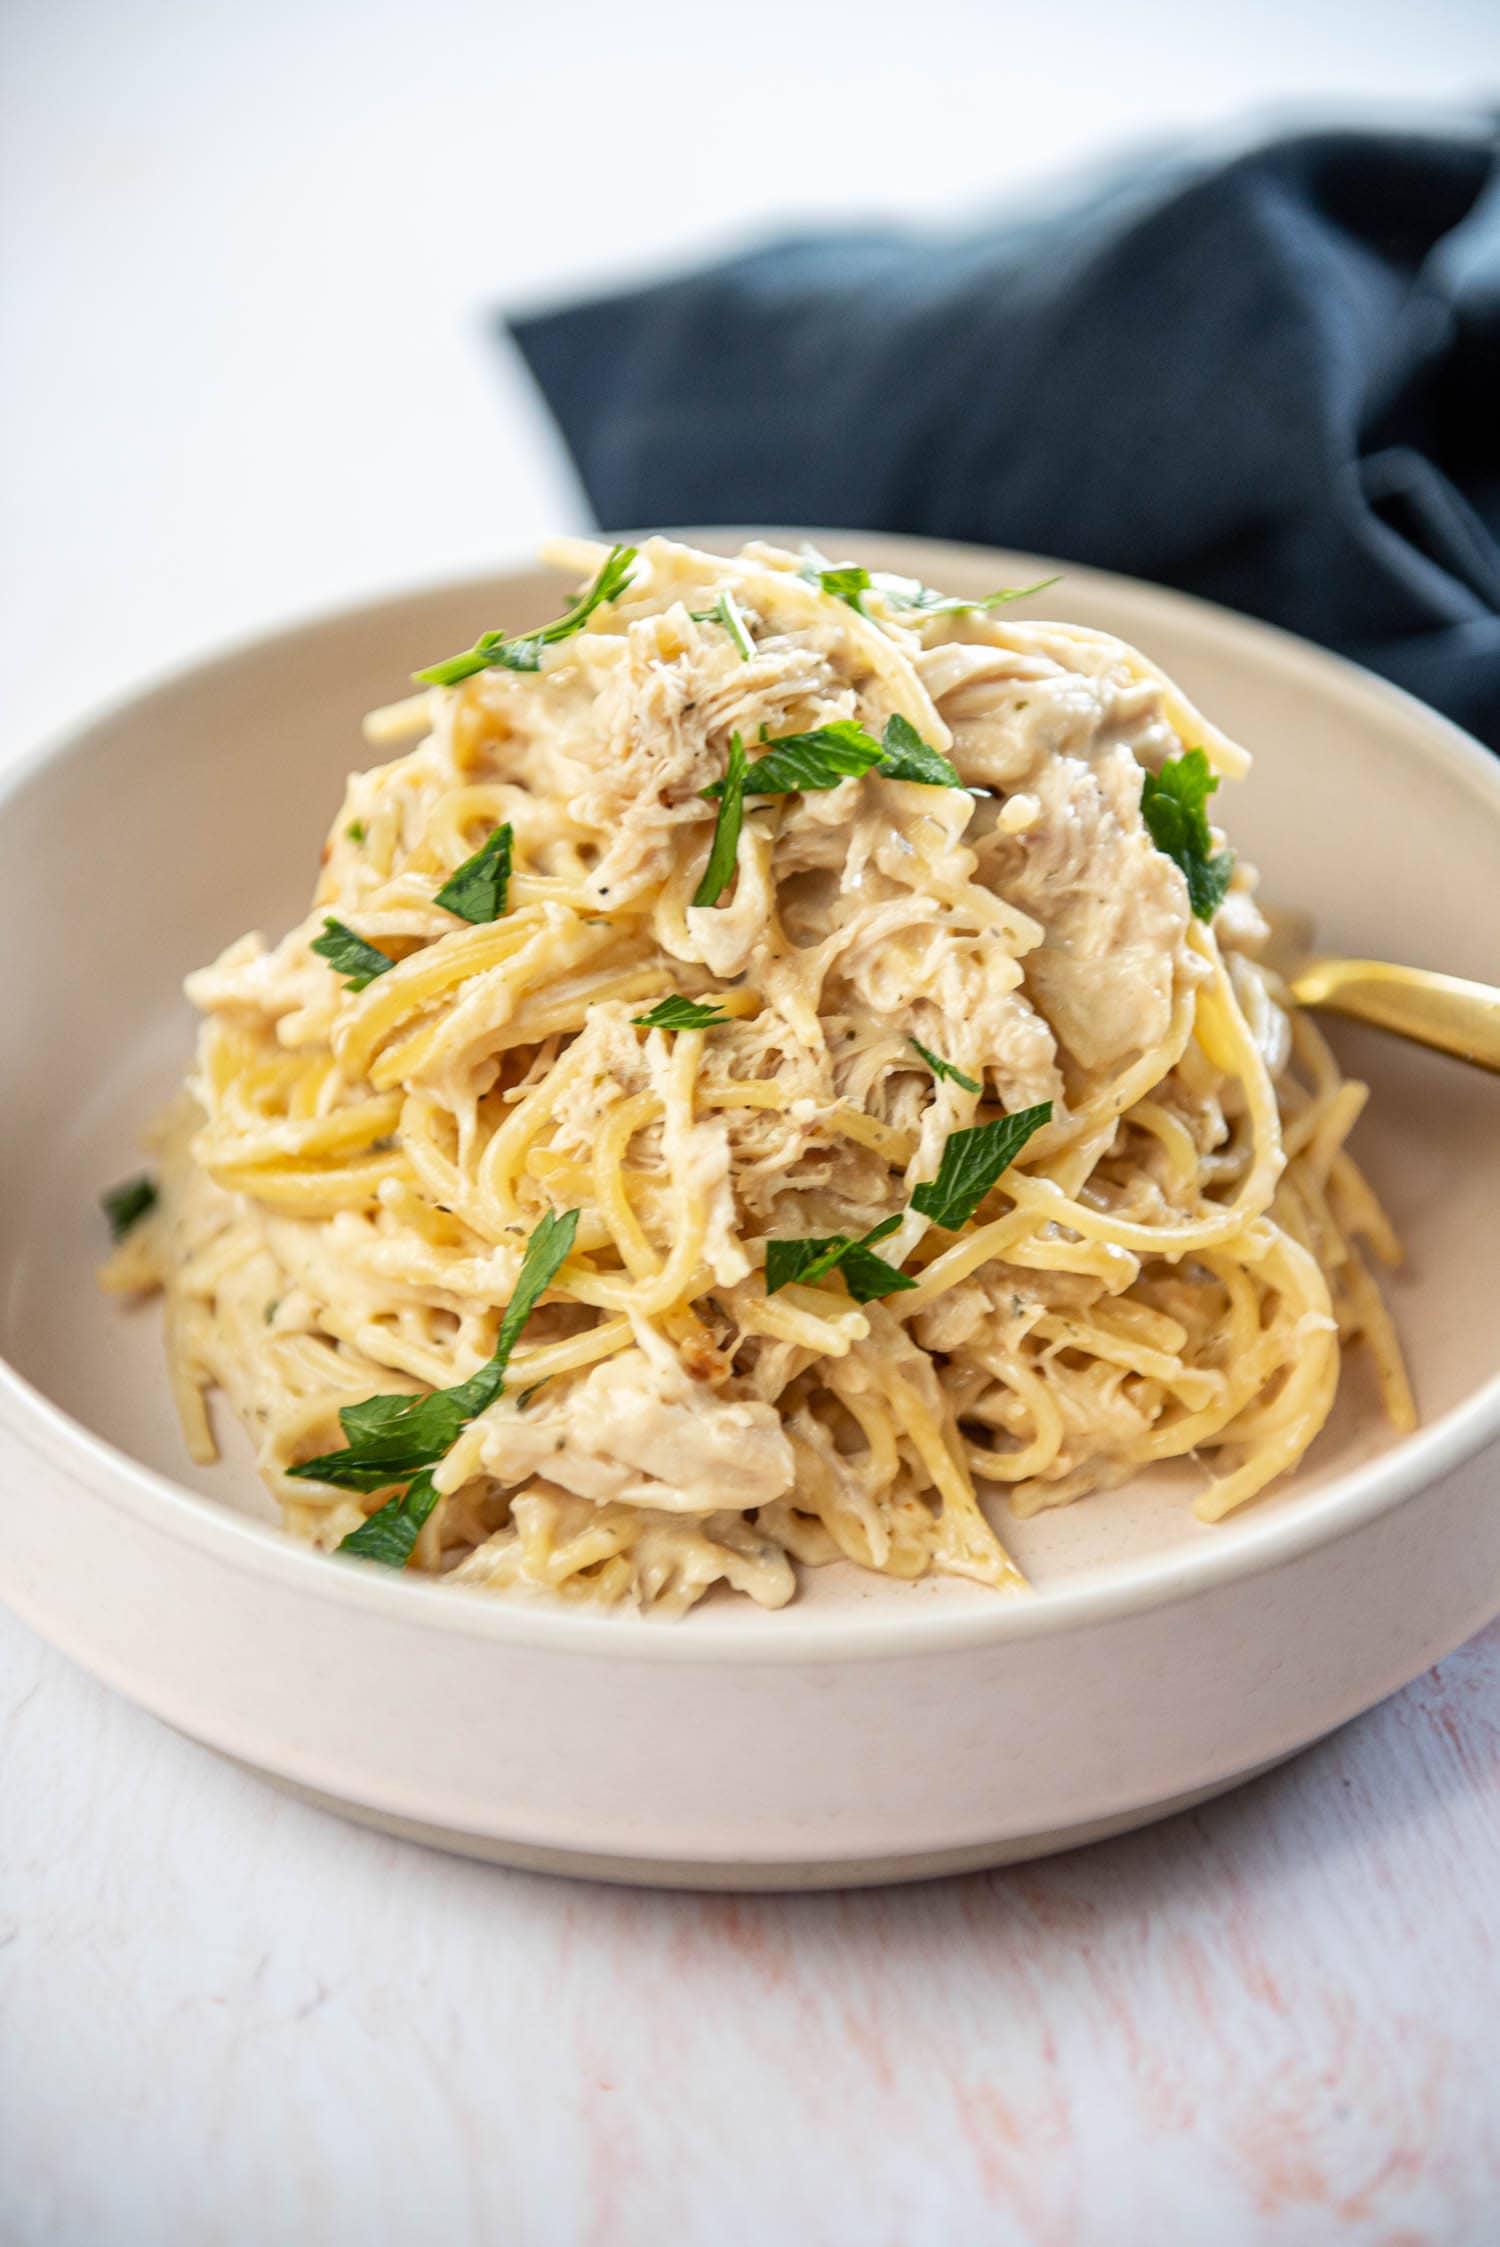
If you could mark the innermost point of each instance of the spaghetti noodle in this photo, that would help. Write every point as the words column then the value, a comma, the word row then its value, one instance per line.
column 375, row 1128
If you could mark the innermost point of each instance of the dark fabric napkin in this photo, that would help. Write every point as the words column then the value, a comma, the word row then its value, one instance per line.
column 1270, row 376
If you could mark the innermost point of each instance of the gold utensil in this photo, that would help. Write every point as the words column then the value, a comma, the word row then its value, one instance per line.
column 1444, row 1011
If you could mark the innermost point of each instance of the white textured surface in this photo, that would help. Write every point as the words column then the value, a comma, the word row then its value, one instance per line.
column 230, row 2018
column 245, row 259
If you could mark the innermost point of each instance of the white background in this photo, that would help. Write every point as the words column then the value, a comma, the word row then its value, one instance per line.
column 250, row 249
column 249, row 258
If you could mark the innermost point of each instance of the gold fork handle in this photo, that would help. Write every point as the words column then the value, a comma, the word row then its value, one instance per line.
column 1444, row 1011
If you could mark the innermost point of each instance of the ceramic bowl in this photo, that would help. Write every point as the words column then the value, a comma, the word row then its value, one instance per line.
column 871, row 1731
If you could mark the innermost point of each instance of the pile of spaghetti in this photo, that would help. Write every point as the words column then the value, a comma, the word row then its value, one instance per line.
column 776, row 1065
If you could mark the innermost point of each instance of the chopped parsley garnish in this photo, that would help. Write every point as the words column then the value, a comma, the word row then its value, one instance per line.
column 807, row 762
column 972, row 1161
column 726, row 611
column 942, row 1068
column 349, row 955
column 843, row 750
column 355, row 830
column 866, row 1275
column 126, row 1204
column 724, row 849
column 476, row 891
column 810, row 761
column 523, row 651
column 849, row 582
column 911, row 593
column 906, row 756
column 389, row 1535
column 678, row 1013
column 1173, row 805
column 396, row 1438
column 845, row 581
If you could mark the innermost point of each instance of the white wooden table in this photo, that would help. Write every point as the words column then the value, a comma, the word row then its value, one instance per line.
column 245, row 260
column 229, row 2018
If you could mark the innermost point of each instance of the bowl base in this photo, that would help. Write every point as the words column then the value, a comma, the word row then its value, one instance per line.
column 788, row 1876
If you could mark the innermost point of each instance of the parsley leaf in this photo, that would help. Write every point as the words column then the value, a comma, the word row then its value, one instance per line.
column 126, row 1204
column 724, row 849
column 391, row 1438
column 942, row 1068
column 1173, row 805
column 375, row 1457
column 476, row 891
column 866, row 1275
column 389, row 1535
column 906, row 756
column 678, row 1013
column 355, row 830
column 972, row 1161
column 349, row 955
column 845, row 581
column 523, row 652
column 848, row 582
column 726, row 611
column 844, row 750
column 810, row 761
column 911, row 593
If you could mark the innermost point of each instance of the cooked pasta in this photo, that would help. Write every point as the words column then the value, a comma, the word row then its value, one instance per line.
column 976, row 1163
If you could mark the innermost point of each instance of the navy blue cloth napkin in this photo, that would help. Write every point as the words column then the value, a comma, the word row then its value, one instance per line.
column 1271, row 377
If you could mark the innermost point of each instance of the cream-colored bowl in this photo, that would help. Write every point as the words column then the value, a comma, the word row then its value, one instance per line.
column 871, row 1731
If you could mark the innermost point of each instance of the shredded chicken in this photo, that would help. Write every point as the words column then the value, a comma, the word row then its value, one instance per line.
column 890, row 969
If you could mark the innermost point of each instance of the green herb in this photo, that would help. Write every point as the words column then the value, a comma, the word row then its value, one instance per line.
column 726, row 611
column 810, row 761
column 848, row 582
column 906, row 756
column 911, row 593
column 355, row 830
column 349, row 955
column 523, row 651
column 843, row 750
column 527, row 1394
column 269, row 1313
column 476, row 891
column 391, row 1438
column 1173, row 805
column 866, row 1275
column 390, row 1534
column 972, row 1161
column 724, row 848
column 126, row 1204
column 678, row 1013
column 845, row 581
column 376, row 1457
column 942, row 1068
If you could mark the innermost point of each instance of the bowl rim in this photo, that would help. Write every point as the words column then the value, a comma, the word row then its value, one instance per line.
column 889, row 1629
